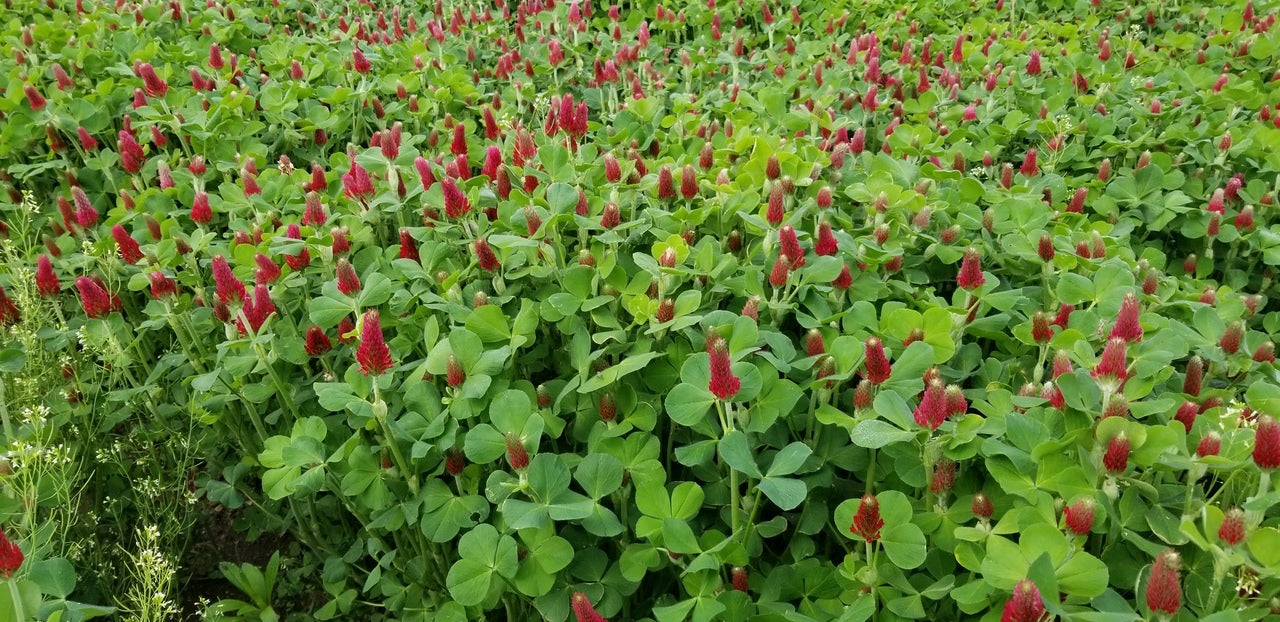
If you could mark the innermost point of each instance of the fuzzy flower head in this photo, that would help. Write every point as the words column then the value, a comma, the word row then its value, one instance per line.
column 724, row 384
column 373, row 354
column 1025, row 605
column 877, row 365
column 932, row 410
column 10, row 555
column 1078, row 516
column 583, row 610
column 1164, row 591
column 867, row 521
column 970, row 276
column 1266, row 444
column 1111, row 368
column 1127, row 326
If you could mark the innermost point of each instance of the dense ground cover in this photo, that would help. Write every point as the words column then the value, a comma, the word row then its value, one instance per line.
column 833, row 311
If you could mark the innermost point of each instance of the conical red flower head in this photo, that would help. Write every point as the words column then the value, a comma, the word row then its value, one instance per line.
column 373, row 354
column 1210, row 445
column 9, row 313
column 867, row 521
column 485, row 256
column 1266, row 444
column 1025, row 605
column 408, row 246
column 1232, row 530
column 267, row 271
column 1078, row 516
column 348, row 281
column 456, row 203
column 517, row 455
column 95, row 300
column 34, row 98
column 1116, row 459
column 751, row 308
column 777, row 205
column 1265, row 353
column 313, row 215
column 1127, row 326
column 1164, row 592
column 611, row 217
column 1045, row 248
column 162, row 286
column 877, row 365
column 131, row 155
column 781, row 268
column 688, row 182
column 813, row 343
column 87, row 141
column 200, row 212
column 666, row 183
column 944, row 477
column 10, row 555
column 1033, row 63
column 581, row 605
column 317, row 342
column 739, row 578
column 932, row 410
column 608, row 407
column 826, row 241
column 1041, row 331
column 862, row 397
column 612, row 170
column 1194, row 378
column 1029, row 166
column 956, row 402
column 1230, row 341
column 1187, row 414
column 340, row 245
column 723, row 384
column 970, row 276
column 544, row 396
column 1111, row 366
column 230, row 290
column 454, row 374
column 454, row 462
column 47, row 282
column 845, row 280
column 982, row 507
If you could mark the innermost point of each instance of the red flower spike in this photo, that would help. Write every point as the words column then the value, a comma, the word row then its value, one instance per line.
column 781, row 269
column 944, row 477
column 1026, row 604
column 485, row 256
column 1045, row 248
column 877, row 365
column 739, row 578
column 1233, row 528
column 1127, row 326
column 1265, row 353
column 867, row 521
column 1078, row 516
column 230, row 290
column 1164, row 592
column 201, row 214
column 666, row 183
column 1266, row 444
column 723, row 384
column 1041, row 331
column 813, row 343
column 456, row 203
column 970, row 276
column 826, row 241
column 981, row 506
column 1187, row 414
column 1116, row 459
column 1194, row 378
column 348, row 281
column 862, row 395
column 1210, row 445
column 267, row 271
column 1111, row 366
column 751, row 308
column 317, row 342
column 608, row 407
column 845, row 280
column 95, row 300
column 1029, row 166
column 517, row 455
column 408, row 246
column 777, row 209
column 1230, row 341
column 581, row 605
column 956, row 402
column 454, row 374
column 313, row 215
column 666, row 311
column 10, row 555
column 47, row 283
column 932, row 410
column 34, row 98
column 373, row 354
column 162, row 286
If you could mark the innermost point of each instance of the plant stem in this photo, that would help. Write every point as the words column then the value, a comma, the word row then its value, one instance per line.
column 410, row 477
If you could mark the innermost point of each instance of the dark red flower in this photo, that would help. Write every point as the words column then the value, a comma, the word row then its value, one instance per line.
column 317, row 341
column 313, row 215
column 1187, row 414
column 1116, row 458
column 1191, row 383
column 131, row 156
column 877, row 365
column 582, row 608
column 845, row 280
column 454, row 462
column 10, row 555
column 485, row 256
column 932, row 410
column 155, row 86
column 1164, row 592
column 9, row 313
column 739, row 575
column 408, row 246
column 1111, row 366
column 723, row 384
column 666, row 183
column 970, row 276
column 303, row 258
column 348, row 281
column 826, row 243
column 1041, row 332
column 1078, row 516
column 867, row 521
column 944, row 476
column 256, row 310
column 1210, row 445
column 781, row 268
column 777, row 210
column 1029, row 166
column 47, row 282
column 356, row 183
column 813, row 343
column 200, row 211
column 373, row 354
column 1026, row 604
column 1127, row 326
column 862, row 395
column 1266, row 444
column 981, row 506
column 1265, row 353
column 87, row 141
column 517, row 455
column 454, row 374
column 359, row 62
column 455, row 202
column 751, row 308
column 1230, row 341
column 608, row 407
column 34, row 98
column 1233, row 528
column 95, row 300
column 162, row 286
